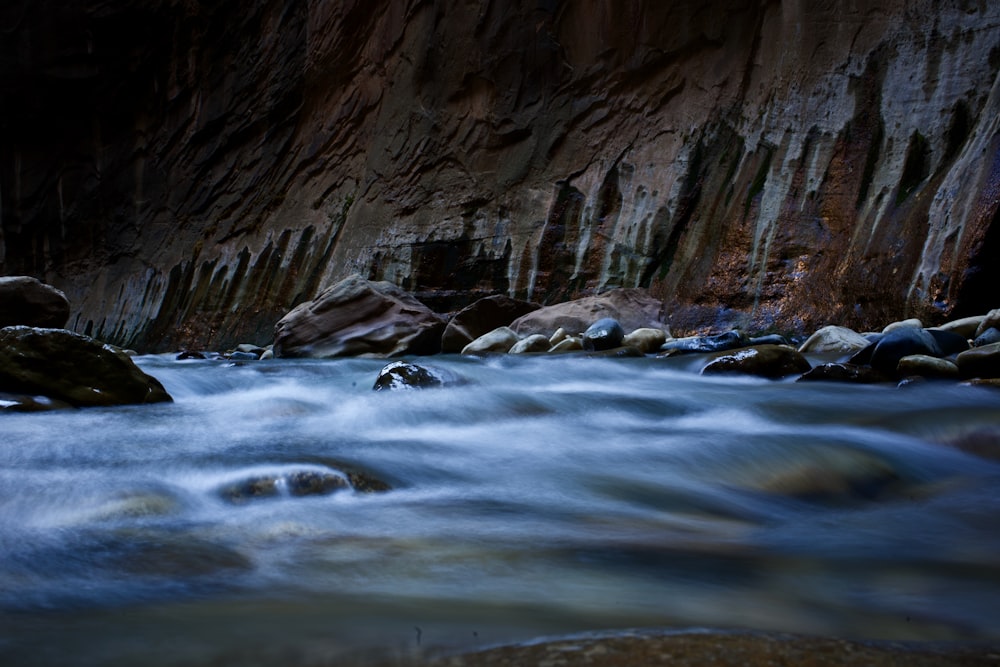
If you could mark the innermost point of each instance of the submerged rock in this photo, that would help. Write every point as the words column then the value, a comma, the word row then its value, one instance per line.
column 299, row 483
column 770, row 361
column 480, row 318
column 604, row 334
column 402, row 375
column 25, row 403
column 70, row 367
column 359, row 317
column 27, row 301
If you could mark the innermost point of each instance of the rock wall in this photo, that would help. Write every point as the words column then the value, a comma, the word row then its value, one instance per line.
column 187, row 172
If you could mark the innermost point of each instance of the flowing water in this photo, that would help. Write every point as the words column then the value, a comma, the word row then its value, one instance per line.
column 532, row 496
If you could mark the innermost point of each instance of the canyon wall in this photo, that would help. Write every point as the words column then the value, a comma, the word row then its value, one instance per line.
column 187, row 172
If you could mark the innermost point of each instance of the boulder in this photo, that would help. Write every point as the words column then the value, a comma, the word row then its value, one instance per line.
column 834, row 339
column 499, row 340
column 402, row 375
column 770, row 361
column 924, row 366
column 532, row 344
column 69, row 367
column 980, row 362
column 729, row 340
column 898, row 343
column 949, row 342
column 604, row 334
column 632, row 307
column 646, row 339
column 481, row 317
column 27, row 301
column 359, row 317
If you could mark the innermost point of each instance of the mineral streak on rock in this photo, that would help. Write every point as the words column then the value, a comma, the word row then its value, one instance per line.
column 188, row 172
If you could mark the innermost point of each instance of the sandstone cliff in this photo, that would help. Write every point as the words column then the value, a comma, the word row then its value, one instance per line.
column 187, row 172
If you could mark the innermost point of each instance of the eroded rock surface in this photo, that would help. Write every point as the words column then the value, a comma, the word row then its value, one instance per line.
column 188, row 172
column 355, row 317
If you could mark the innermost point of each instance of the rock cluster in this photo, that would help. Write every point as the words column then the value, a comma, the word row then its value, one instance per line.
column 357, row 316
column 45, row 367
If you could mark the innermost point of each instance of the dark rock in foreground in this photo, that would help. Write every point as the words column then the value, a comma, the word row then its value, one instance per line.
column 69, row 367
column 359, row 317
column 29, row 302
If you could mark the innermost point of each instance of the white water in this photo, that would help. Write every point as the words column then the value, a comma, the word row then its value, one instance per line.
column 538, row 496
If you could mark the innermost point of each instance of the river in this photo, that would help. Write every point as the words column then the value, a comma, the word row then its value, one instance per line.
column 532, row 496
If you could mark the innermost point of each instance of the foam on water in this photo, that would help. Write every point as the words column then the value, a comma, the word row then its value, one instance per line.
column 590, row 492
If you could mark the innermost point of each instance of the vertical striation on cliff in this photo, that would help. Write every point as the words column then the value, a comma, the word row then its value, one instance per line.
column 188, row 172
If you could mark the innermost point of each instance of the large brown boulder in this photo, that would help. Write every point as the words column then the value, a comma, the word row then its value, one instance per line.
column 73, row 368
column 359, row 317
column 632, row 307
column 28, row 301
column 482, row 317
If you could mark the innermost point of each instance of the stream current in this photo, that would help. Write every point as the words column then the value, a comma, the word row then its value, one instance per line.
column 533, row 496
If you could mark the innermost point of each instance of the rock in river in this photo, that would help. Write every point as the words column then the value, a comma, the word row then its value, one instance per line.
column 355, row 317
column 604, row 334
column 770, row 361
column 25, row 300
column 834, row 339
column 499, row 340
column 73, row 368
column 402, row 375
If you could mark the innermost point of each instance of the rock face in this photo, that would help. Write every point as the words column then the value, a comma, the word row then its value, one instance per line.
column 29, row 302
column 356, row 317
column 188, row 172
column 69, row 367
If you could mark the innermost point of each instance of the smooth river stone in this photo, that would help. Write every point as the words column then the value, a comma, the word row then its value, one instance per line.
column 498, row 341
column 834, row 339
column 980, row 362
column 770, row 361
column 533, row 344
column 926, row 366
column 646, row 339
